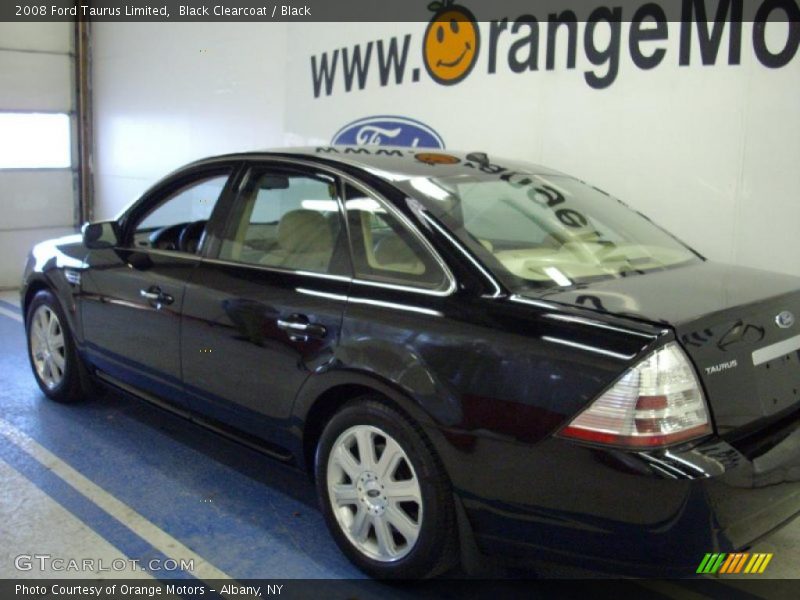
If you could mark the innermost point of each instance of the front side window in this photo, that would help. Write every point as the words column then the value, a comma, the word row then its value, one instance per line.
column 548, row 229
column 178, row 222
column 385, row 250
column 286, row 220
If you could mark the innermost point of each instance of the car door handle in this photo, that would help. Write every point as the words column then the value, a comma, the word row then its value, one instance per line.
column 300, row 329
column 156, row 296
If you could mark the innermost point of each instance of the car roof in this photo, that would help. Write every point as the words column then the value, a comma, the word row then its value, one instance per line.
column 399, row 163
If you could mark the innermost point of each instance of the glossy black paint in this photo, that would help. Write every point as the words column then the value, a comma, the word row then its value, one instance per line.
column 720, row 314
column 130, row 337
column 239, row 366
column 483, row 369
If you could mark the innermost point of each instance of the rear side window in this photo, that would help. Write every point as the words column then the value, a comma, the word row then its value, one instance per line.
column 285, row 220
column 384, row 249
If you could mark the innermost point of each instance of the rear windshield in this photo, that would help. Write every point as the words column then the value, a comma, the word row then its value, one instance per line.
column 553, row 230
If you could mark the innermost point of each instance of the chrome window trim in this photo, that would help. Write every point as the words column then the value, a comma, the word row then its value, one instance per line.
column 161, row 252
column 407, row 288
column 271, row 269
column 450, row 279
column 498, row 290
column 283, row 271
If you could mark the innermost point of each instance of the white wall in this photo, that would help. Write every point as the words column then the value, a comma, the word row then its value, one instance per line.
column 168, row 93
column 35, row 75
column 710, row 152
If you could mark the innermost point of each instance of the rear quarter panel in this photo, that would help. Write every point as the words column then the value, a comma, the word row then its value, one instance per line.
column 470, row 369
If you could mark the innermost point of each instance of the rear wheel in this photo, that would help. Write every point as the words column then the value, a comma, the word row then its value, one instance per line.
column 51, row 349
column 384, row 494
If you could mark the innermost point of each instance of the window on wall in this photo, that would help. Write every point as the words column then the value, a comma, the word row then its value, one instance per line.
column 35, row 140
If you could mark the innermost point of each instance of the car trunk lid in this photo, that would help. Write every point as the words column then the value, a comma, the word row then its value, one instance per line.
column 736, row 325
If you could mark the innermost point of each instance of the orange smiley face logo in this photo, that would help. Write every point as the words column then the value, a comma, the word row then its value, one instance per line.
column 451, row 43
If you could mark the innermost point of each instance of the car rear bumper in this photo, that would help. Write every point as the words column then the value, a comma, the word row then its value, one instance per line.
column 628, row 513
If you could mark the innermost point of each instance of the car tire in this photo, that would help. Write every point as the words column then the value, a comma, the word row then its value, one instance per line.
column 56, row 365
column 394, row 518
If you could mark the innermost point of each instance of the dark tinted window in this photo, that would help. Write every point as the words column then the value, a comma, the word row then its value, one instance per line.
column 384, row 249
column 285, row 220
column 178, row 222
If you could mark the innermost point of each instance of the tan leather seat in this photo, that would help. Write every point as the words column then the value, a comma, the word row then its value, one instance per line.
column 305, row 242
column 393, row 254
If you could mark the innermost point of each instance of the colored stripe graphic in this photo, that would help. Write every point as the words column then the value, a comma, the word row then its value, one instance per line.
column 734, row 563
column 711, row 563
column 764, row 564
column 727, row 566
column 756, row 558
column 741, row 562
column 703, row 563
column 723, row 563
column 758, row 563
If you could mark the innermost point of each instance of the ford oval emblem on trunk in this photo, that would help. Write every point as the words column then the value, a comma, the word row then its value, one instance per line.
column 785, row 320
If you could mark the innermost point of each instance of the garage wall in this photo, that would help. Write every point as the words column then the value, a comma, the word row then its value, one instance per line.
column 168, row 93
column 36, row 70
column 710, row 151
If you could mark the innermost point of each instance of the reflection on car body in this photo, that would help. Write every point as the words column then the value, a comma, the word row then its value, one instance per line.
column 464, row 351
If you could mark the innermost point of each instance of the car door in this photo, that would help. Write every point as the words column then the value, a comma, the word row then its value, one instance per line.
column 263, row 310
column 132, row 294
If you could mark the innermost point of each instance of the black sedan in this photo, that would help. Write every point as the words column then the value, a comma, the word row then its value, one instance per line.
column 472, row 356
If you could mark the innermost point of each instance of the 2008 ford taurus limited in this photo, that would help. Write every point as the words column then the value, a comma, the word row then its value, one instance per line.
column 472, row 356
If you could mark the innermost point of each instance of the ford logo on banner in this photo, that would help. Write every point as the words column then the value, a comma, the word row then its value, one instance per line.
column 388, row 131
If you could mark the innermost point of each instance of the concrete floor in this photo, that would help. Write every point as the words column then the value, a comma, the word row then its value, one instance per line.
column 112, row 478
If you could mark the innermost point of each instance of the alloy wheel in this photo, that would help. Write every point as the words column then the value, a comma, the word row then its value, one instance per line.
column 48, row 349
column 374, row 493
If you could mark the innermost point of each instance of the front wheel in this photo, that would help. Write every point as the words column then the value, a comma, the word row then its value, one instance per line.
column 384, row 494
column 51, row 349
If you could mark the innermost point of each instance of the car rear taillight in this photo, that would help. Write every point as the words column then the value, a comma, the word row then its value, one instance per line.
column 656, row 403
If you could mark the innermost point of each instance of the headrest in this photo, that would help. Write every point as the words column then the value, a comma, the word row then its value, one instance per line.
column 302, row 231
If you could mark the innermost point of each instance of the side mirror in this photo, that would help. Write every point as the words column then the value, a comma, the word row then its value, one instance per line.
column 99, row 235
